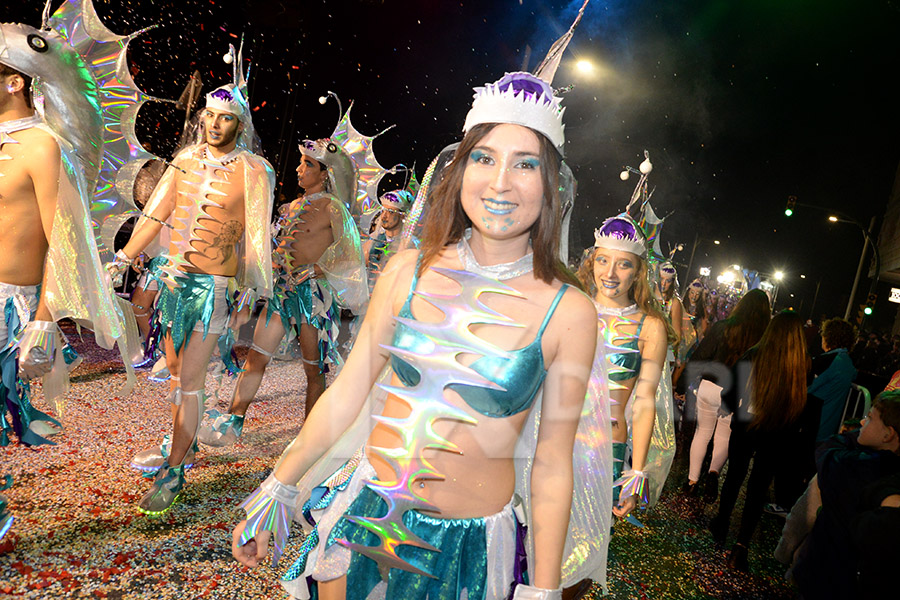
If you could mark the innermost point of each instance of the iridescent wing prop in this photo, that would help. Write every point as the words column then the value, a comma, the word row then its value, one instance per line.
column 413, row 185
column 652, row 226
column 369, row 172
column 109, row 149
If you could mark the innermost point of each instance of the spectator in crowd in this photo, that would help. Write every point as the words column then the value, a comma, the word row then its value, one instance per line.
column 833, row 372
column 827, row 563
column 772, row 421
column 723, row 345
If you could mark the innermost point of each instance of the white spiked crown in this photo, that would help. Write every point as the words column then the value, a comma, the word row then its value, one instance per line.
column 621, row 233
column 519, row 99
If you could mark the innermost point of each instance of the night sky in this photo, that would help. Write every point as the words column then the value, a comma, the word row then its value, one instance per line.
column 740, row 104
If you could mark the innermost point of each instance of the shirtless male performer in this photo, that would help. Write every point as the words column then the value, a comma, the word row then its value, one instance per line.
column 378, row 246
column 318, row 270
column 29, row 172
column 214, row 199
column 38, row 185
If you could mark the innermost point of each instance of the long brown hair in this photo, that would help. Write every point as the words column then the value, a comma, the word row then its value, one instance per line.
column 447, row 221
column 745, row 326
column 640, row 293
column 779, row 373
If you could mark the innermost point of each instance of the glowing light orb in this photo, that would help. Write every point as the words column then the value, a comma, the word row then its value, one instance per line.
column 584, row 66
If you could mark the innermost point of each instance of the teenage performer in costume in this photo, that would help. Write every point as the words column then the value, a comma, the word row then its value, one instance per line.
column 318, row 271
column 210, row 214
column 485, row 333
column 635, row 335
column 51, row 163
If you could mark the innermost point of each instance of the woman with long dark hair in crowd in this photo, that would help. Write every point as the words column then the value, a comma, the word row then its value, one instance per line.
column 771, row 417
column 723, row 345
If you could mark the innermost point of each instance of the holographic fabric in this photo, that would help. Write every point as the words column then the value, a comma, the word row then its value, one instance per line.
column 662, row 442
column 588, row 532
column 196, row 301
column 437, row 369
column 255, row 265
column 269, row 508
column 477, row 558
column 460, row 566
column 519, row 375
column 84, row 92
column 18, row 304
column 76, row 286
column 619, row 341
column 310, row 301
column 620, row 346
column 368, row 171
column 342, row 262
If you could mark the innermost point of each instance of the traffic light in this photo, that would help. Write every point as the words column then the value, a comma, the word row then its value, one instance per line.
column 789, row 209
column 870, row 304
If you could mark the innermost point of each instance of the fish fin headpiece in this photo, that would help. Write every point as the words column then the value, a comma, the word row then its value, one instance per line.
column 621, row 233
column 353, row 170
column 397, row 201
column 84, row 92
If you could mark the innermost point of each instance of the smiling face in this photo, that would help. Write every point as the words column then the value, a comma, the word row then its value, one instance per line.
column 665, row 283
column 614, row 275
column 502, row 190
column 222, row 129
column 310, row 175
column 694, row 294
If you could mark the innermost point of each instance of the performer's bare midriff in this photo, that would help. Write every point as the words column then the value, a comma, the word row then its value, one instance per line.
column 214, row 237
column 309, row 234
column 23, row 242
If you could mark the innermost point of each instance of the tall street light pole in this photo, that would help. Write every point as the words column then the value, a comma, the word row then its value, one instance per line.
column 867, row 240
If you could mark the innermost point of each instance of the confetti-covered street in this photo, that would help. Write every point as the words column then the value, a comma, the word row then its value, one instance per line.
column 78, row 534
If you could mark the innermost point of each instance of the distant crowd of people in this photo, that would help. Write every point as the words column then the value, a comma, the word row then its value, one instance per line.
column 776, row 390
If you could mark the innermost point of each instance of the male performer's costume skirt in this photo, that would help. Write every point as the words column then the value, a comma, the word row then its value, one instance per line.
column 309, row 301
column 200, row 302
column 479, row 558
column 18, row 304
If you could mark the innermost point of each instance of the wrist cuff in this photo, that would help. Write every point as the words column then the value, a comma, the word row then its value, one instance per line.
column 529, row 592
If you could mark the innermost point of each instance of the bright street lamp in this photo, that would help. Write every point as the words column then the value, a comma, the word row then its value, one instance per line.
column 716, row 242
column 584, row 66
column 833, row 219
column 779, row 275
